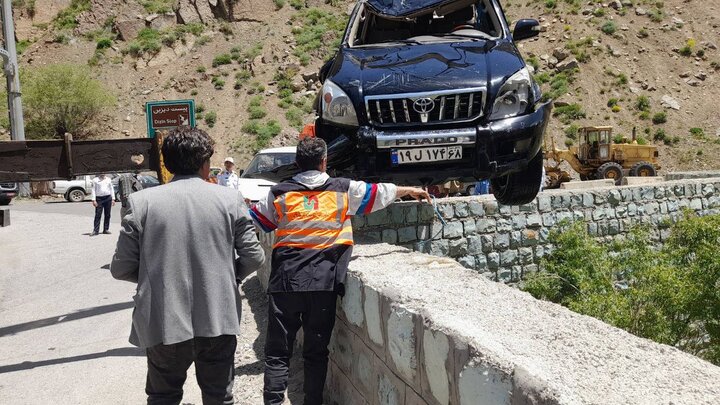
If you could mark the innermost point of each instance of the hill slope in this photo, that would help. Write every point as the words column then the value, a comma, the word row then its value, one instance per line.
column 630, row 57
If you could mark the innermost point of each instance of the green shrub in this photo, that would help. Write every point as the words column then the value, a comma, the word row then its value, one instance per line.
column 569, row 113
column 66, row 19
column 217, row 82
column 295, row 117
column 147, row 41
column 211, row 118
column 698, row 133
column 550, row 4
column 297, row 4
column 223, row 59
column 616, row 108
column 643, row 33
column 612, row 102
column 572, row 131
column 263, row 132
column 599, row 12
column 656, row 15
column 319, row 33
column 659, row 118
column 255, row 108
column 642, row 103
column 609, row 28
column 669, row 296
column 200, row 69
column 62, row 98
column 226, row 29
column 279, row 4
column 103, row 43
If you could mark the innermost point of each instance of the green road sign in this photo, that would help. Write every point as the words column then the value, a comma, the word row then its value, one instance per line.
column 169, row 114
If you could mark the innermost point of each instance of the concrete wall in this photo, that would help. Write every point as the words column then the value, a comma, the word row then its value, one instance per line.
column 504, row 242
column 420, row 330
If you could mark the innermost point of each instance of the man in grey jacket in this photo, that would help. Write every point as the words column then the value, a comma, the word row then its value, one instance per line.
column 178, row 243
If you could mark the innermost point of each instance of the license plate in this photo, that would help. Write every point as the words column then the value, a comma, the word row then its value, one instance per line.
column 423, row 155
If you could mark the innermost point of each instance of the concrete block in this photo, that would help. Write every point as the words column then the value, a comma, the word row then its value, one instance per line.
column 411, row 215
column 390, row 388
column 4, row 217
column 639, row 181
column 549, row 219
column 453, row 230
column 372, row 306
column 534, row 221
column 695, row 204
column 438, row 366
column 378, row 218
column 364, row 369
column 390, row 236
column 485, row 225
column 469, row 227
column 476, row 209
column 403, row 343
column 474, row 245
column 352, row 302
column 614, row 197
column 481, row 383
column 519, row 222
column 340, row 390
column 659, row 193
column 543, row 201
column 481, row 263
column 487, row 243
column 529, row 389
column 504, row 225
column 447, row 210
column 462, row 210
column 587, row 185
column 502, row 241
column 397, row 213
column 467, row 262
column 407, row 234
column 341, row 346
column 412, row 398
column 458, row 247
column 529, row 207
column 426, row 213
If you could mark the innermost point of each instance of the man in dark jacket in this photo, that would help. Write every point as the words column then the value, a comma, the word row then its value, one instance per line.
column 178, row 243
column 310, row 215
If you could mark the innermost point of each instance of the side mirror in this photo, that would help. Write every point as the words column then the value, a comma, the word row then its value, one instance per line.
column 240, row 172
column 525, row 29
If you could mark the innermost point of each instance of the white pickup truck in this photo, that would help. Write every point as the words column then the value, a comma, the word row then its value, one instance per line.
column 73, row 190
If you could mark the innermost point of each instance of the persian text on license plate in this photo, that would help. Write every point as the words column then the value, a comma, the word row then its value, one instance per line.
column 422, row 155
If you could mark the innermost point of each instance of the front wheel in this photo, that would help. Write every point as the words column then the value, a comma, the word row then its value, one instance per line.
column 643, row 169
column 612, row 171
column 76, row 195
column 521, row 187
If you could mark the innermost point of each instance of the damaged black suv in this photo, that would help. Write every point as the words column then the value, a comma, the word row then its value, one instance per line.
column 425, row 91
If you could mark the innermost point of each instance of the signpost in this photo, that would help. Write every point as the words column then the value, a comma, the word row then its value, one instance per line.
column 168, row 115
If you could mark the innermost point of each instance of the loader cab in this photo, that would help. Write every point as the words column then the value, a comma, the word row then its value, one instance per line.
column 595, row 143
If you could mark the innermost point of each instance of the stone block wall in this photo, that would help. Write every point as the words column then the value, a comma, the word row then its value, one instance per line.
column 505, row 242
column 419, row 330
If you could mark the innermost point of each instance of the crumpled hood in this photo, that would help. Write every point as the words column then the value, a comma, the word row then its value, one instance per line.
column 407, row 68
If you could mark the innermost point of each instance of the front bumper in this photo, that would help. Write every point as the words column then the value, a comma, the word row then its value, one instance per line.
column 490, row 150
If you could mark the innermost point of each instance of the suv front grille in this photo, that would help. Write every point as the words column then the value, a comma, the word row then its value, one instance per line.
column 8, row 186
column 425, row 108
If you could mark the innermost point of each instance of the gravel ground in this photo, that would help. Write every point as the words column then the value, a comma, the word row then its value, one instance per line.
column 249, row 357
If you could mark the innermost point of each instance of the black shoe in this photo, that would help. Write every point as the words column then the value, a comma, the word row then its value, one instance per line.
column 107, row 232
column 94, row 234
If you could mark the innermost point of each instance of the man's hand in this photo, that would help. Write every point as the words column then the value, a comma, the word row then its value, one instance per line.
column 94, row 203
column 113, row 202
column 414, row 192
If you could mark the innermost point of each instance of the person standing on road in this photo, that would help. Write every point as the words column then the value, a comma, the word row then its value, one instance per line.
column 228, row 178
column 311, row 215
column 178, row 243
column 128, row 183
column 103, row 199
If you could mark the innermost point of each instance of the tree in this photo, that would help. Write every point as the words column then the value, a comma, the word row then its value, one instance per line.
column 62, row 98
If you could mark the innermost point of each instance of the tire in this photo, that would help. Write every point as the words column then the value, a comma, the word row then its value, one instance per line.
column 75, row 195
column 643, row 169
column 610, row 170
column 521, row 187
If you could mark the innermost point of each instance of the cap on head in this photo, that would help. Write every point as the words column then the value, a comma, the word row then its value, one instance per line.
column 230, row 159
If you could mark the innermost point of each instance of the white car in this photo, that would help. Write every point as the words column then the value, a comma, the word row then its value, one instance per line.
column 254, row 188
column 73, row 190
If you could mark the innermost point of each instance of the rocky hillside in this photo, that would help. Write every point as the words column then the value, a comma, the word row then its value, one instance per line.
column 251, row 64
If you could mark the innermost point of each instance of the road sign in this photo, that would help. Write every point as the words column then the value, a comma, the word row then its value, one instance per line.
column 169, row 114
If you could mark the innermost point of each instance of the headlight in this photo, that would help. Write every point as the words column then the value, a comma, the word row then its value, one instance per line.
column 337, row 106
column 514, row 96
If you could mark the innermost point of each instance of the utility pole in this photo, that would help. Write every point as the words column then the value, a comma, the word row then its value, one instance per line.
column 12, row 74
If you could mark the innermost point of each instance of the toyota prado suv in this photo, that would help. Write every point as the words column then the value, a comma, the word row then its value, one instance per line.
column 425, row 91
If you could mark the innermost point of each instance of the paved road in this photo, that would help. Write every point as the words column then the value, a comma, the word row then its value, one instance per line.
column 64, row 322
column 81, row 209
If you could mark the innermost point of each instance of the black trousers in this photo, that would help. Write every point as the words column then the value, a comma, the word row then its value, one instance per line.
column 315, row 312
column 104, row 204
column 214, row 368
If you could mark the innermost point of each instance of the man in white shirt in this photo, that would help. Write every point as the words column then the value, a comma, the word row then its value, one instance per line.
column 103, row 198
column 228, row 178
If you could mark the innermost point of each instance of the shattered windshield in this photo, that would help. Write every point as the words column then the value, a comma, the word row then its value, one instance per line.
column 266, row 162
column 449, row 21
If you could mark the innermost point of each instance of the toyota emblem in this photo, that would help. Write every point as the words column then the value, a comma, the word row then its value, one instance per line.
column 423, row 105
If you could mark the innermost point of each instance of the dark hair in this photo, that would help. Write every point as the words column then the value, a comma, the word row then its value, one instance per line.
column 186, row 149
column 310, row 153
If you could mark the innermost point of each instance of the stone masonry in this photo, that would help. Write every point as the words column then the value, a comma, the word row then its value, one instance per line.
column 420, row 330
column 505, row 242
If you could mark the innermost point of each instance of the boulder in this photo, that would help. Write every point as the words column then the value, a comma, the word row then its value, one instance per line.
column 567, row 64
column 669, row 102
column 560, row 54
column 162, row 21
column 617, row 4
column 204, row 10
column 129, row 29
column 640, row 11
column 187, row 14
